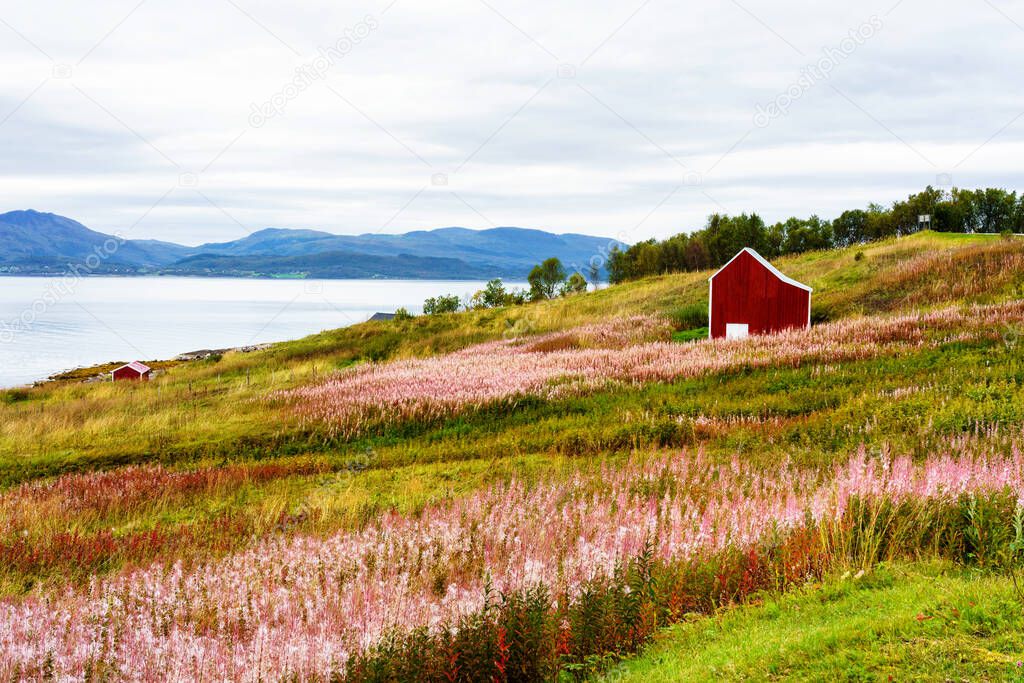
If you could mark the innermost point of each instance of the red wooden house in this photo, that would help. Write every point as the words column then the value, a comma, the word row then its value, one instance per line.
column 133, row 371
column 748, row 296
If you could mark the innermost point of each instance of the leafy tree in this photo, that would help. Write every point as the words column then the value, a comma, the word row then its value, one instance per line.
column 618, row 265
column 775, row 238
column 647, row 258
column 671, row 253
column 904, row 215
column 494, row 294
column 476, row 302
column 950, row 216
column 996, row 209
column 726, row 235
column 696, row 256
column 545, row 278
column 990, row 210
column 806, row 235
column 967, row 209
column 576, row 284
column 879, row 222
column 441, row 304
column 850, row 228
column 1018, row 216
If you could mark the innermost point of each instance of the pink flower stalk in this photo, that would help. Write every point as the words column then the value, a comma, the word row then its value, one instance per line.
column 305, row 605
column 598, row 355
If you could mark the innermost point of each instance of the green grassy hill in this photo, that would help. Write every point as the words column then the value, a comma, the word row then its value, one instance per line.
column 213, row 410
column 238, row 463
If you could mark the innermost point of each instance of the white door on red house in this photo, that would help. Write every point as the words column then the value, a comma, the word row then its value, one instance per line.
column 737, row 330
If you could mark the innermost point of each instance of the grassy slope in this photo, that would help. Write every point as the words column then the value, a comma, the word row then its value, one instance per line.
column 808, row 415
column 210, row 413
column 213, row 410
column 906, row 622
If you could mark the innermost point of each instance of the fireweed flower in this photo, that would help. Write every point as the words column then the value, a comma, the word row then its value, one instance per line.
column 304, row 604
column 619, row 351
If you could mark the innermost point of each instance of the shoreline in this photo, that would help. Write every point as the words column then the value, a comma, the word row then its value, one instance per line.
column 100, row 372
column 49, row 343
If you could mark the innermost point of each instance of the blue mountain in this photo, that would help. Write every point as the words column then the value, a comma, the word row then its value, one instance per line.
column 32, row 242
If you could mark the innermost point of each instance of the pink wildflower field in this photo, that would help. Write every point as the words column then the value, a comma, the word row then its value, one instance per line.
column 305, row 605
column 656, row 536
column 592, row 357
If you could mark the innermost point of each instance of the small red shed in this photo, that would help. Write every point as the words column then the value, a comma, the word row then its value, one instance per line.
column 134, row 371
column 748, row 296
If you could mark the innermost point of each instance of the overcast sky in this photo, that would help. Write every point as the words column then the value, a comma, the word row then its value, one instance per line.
column 203, row 120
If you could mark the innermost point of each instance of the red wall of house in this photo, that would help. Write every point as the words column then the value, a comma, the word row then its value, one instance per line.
column 747, row 292
column 128, row 374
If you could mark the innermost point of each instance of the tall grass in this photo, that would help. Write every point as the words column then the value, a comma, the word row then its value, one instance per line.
column 683, row 532
column 239, row 570
column 556, row 366
column 202, row 410
column 985, row 272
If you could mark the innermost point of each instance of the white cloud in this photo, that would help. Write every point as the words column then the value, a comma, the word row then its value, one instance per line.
column 659, row 90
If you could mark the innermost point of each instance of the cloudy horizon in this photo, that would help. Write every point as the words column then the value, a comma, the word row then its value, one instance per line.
column 201, row 122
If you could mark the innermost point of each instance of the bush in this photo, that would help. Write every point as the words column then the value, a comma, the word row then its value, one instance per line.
column 441, row 304
column 494, row 294
column 518, row 297
column 403, row 314
column 13, row 396
column 576, row 284
column 821, row 314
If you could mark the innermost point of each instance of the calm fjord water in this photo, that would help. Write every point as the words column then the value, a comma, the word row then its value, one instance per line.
column 45, row 328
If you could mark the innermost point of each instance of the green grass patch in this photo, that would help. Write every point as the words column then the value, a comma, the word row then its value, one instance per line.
column 690, row 335
column 904, row 622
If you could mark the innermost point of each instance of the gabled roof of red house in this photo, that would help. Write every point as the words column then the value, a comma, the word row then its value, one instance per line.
column 764, row 262
column 138, row 367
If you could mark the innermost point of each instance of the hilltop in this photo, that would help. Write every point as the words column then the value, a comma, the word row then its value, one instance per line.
column 35, row 243
column 838, row 473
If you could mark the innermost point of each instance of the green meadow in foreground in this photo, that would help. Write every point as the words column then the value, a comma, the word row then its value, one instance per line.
column 214, row 459
column 926, row 621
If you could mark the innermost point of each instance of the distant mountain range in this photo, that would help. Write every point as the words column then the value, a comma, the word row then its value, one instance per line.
column 34, row 243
